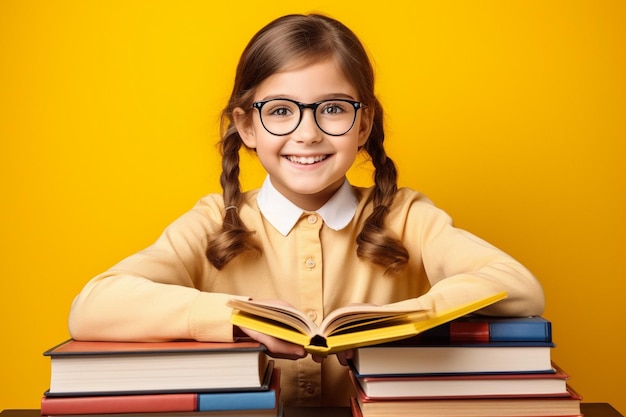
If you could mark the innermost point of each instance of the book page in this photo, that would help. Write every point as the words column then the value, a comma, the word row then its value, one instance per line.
column 277, row 312
column 363, row 321
column 356, row 315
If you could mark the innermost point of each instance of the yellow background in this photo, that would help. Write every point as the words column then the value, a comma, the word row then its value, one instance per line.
column 510, row 115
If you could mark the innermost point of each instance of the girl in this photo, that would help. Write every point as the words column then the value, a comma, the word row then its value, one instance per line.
column 304, row 101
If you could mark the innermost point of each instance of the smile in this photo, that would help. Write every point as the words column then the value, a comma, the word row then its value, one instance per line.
column 306, row 160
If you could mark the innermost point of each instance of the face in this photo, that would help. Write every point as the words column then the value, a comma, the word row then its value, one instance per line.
column 307, row 166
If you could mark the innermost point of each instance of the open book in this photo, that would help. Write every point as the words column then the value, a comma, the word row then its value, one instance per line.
column 347, row 327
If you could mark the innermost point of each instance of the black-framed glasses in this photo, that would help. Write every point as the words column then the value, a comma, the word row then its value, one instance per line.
column 282, row 116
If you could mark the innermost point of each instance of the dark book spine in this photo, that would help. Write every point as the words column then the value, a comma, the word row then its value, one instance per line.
column 486, row 330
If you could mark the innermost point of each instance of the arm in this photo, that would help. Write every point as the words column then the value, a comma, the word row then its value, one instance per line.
column 155, row 294
column 462, row 267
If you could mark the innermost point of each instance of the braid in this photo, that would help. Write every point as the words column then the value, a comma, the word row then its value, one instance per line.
column 234, row 238
column 373, row 244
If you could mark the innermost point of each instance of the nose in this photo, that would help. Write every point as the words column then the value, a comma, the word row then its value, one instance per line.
column 307, row 132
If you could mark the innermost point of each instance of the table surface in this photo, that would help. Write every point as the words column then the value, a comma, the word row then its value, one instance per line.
column 588, row 409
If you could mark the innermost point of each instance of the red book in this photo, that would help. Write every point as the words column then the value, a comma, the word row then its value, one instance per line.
column 527, row 406
column 154, row 403
column 356, row 410
column 166, row 403
column 464, row 385
column 116, row 368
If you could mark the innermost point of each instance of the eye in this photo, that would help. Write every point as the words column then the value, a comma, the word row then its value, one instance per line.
column 279, row 108
column 333, row 107
column 280, row 111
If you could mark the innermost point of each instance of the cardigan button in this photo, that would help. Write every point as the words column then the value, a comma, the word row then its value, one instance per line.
column 312, row 219
column 309, row 388
column 310, row 262
column 311, row 314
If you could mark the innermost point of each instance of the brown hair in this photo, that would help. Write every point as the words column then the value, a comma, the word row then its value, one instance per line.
column 304, row 39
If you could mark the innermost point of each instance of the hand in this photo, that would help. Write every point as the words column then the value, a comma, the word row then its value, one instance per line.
column 343, row 357
column 277, row 348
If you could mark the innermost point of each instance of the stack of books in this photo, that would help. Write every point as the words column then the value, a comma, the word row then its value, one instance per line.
column 471, row 366
column 183, row 377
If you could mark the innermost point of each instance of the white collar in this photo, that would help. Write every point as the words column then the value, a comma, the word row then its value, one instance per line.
column 283, row 214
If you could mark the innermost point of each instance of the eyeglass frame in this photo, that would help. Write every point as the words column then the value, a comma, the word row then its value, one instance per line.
column 313, row 106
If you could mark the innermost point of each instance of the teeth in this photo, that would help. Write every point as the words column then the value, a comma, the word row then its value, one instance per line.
column 306, row 160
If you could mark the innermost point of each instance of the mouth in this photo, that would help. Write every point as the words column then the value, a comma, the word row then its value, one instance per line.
column 306, row 160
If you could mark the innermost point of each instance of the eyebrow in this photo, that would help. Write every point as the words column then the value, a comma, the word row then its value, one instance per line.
column 322, row 98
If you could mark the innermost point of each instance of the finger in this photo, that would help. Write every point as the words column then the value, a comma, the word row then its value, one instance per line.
column 277, row 348
column 318, row 359
column 345, row 356
column 292, row 357
column 281, row 349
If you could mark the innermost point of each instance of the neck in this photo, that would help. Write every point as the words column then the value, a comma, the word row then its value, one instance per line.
column 314, row 201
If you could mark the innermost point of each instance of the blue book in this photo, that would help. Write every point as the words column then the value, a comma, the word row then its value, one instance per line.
column 243, row 400
column 485, row 329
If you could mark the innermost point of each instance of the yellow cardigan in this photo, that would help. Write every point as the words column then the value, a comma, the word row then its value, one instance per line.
column 170, row 291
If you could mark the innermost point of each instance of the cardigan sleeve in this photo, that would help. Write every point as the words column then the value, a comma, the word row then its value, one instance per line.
column 154, row 294
column 462, row 267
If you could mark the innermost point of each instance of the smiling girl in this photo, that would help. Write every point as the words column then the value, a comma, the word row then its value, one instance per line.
column 303, row 100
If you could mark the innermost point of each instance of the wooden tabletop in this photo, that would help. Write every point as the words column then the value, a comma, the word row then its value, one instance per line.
column 588, row 409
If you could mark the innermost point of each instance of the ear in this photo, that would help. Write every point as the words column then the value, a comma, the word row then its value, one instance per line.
column 245, row 128
column 365, row 125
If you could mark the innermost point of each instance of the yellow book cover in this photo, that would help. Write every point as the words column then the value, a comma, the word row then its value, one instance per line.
column 348, row 327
